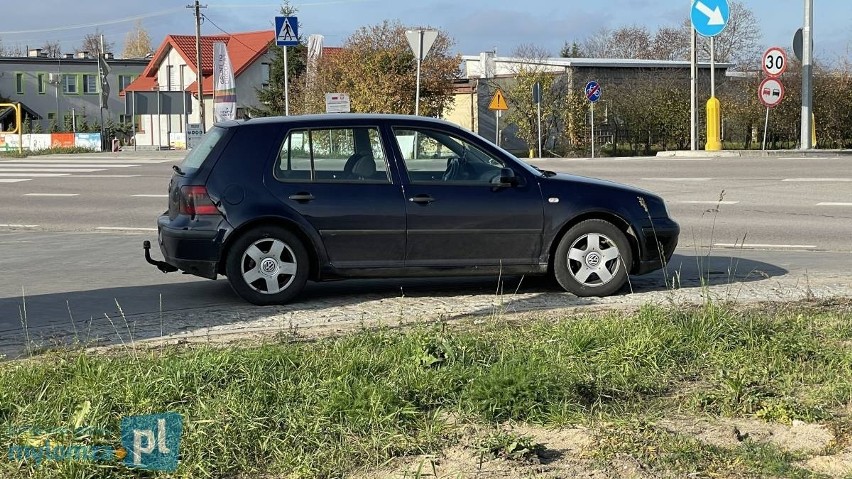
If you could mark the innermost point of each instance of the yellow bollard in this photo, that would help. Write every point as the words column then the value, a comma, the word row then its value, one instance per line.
column 714, row 125
column 813, row 130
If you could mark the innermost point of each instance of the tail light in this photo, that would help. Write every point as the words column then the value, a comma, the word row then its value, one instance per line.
column 195, row 201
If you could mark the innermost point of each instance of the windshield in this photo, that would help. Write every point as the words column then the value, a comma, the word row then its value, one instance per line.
column 196, row 156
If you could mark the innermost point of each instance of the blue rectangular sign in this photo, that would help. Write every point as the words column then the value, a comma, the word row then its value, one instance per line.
column 286, row 31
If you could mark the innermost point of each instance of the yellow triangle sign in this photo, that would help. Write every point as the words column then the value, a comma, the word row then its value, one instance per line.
column 498, row 102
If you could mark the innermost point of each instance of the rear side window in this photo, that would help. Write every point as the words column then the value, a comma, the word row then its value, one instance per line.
column 323, row 155
column 197, row 155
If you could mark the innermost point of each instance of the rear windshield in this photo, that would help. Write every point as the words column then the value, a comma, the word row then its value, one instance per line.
column 196, row 156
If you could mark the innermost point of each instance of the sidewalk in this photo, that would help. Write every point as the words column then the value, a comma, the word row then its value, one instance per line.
column 753, row 153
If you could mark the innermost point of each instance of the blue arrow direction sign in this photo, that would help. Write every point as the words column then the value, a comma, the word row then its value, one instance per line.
column 286, row 31
column 710, row 17
column 593, row 91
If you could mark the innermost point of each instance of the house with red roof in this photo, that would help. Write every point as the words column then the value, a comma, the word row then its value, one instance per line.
column 173, row 68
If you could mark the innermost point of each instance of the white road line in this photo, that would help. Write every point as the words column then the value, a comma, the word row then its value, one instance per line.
column 150, row 196
column 767, row 246
column 104, row 176
column 34, row 175
column 88, row 159
column 834, row 204
column 818, row 180
column 63, row 195
column 49, row 170
column 677, row 179
column 709, row 202
column 123, row 228
column 17, row 226
column 14, row 180
column 21, row 164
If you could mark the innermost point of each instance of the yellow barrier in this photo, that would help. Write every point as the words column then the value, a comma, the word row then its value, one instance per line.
column 714, row 125
column 18, row 129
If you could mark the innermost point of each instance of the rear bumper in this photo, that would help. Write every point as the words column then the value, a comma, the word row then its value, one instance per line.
column 658, row 245
column 195, row 251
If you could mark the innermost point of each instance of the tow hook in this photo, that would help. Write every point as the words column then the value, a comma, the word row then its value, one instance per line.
column 161, row 265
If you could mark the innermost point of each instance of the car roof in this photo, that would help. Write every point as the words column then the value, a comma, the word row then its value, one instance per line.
column 336, row 117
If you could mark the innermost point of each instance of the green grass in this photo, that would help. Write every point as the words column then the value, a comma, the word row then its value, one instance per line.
column 320, row 409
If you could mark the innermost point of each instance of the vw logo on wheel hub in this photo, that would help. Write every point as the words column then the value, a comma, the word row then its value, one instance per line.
column 593, row 259
column 269, row 266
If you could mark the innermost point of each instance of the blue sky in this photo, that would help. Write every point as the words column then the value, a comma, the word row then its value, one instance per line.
column 475, row 25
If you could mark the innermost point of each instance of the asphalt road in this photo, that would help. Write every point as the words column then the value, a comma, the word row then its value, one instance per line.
column 70, row 245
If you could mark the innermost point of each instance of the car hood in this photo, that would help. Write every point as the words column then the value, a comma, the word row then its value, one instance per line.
column 585, row 181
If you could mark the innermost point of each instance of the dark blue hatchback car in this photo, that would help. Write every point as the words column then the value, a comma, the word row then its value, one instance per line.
column 273, row 202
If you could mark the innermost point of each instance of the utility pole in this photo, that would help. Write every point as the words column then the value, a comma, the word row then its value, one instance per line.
column 199, row 77
column 807, row 76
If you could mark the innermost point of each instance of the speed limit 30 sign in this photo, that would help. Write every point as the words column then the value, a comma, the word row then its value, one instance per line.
column 774, row 62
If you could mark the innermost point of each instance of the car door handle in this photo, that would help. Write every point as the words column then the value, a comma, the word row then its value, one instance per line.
column 301, row 197
column 421, row 199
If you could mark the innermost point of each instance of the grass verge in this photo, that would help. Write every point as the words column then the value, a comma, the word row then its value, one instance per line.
column 326, row 408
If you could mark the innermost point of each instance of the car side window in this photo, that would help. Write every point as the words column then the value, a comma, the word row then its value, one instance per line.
column 324, row 155
column 433, row 156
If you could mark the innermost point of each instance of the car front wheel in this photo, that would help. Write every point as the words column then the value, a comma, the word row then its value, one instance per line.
column 592, row 259
column 268, row 265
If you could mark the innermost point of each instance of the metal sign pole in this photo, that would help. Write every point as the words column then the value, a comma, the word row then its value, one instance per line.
column 419, row 61
column 712, row 67
column 693, row 115
column 286, row 86
column 593, row 131
column 765, row 127
column 539, row 130
column 497, row 128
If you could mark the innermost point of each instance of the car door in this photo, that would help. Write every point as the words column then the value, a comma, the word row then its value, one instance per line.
column 338, row 179
column 456, row 215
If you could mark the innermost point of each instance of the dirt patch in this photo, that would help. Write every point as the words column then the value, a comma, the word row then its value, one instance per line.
column 567, row 454
column 798, row 437
column 837, row 465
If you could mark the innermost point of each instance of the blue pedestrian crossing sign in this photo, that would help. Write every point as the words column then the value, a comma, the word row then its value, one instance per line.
column 593, row 91
column 710, row 17
column 286, row 31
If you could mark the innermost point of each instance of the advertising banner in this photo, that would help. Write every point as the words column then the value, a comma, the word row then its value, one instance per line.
column 224, row 90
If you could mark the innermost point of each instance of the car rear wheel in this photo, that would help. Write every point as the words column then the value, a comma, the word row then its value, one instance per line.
column 268, row 265
column 592, row 259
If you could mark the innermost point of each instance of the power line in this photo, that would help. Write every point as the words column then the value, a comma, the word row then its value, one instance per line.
column 228, row 33
column 96, row 24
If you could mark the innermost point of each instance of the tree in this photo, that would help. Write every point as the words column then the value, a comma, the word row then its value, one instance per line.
column 92, row 44
column 571, row 50
column 377, row 68
column 52, row 49
column 524, row 112
column 137, row 43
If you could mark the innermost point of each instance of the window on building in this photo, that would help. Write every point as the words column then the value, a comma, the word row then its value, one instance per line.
column 264, row 75
column 69, row 84
column 127, row 120
column 123, row 81
column 171, row 81
column 42, row 83
column 19, row 83
column 183, row 77
column 90, row 83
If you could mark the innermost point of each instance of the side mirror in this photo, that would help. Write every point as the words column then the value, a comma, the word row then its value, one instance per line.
column 508, row 178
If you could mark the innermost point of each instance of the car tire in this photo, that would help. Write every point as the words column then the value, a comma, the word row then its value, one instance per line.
column 267, row 265
column 593, row 259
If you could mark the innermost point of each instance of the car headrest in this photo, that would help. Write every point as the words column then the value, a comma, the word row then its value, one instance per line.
column 365, row 167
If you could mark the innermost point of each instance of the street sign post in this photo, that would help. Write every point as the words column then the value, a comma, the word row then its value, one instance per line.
column 770, row 92
column 774, row 62
column 537, row 100
column 286, row 35
column 420, row 42
column 709, row 18
column 498, row 104
column 593, row 93
column 337, row 103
